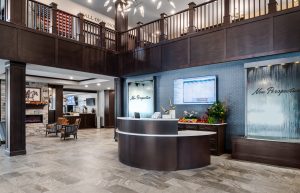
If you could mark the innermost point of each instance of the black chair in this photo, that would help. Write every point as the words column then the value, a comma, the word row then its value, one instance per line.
column 2, row 132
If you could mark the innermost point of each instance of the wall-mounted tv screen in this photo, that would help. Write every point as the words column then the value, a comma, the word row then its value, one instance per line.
column 90, row 102
column 71, row 100
column 199, row 90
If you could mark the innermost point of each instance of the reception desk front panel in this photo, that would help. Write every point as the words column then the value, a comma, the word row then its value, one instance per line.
column 157, row 145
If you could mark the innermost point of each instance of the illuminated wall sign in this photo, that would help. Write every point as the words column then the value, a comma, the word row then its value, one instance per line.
column 141, row 98
column 273, row 102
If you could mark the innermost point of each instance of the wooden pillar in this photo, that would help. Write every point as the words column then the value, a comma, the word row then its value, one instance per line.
column 272, row 6
column 192, row 27
column 102, row 35
column 163, row 35
column 15, row 108
column 119, row 101
column 138, row 41
column 81, row 25
column 121, row 25
column 59, row 101
column 17, row 12
column 226, row 12
column 54, row 18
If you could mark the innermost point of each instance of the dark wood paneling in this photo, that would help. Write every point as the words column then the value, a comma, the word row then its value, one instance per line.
column 59, row 101
column 151, row 153
column 269, row 152
column 37, row 48
column 15, row 109
column 9, row 42
column 70, row 55
column 208, row 47
column 109, row 108
column 175, row 55
column 287, row 31
column 250, row 38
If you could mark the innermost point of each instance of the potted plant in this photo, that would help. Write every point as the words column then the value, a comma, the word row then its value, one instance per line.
column 217, row 113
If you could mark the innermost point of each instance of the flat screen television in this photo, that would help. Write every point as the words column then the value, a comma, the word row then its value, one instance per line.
column 90, row 102
column 199, row 90
column 71, row 100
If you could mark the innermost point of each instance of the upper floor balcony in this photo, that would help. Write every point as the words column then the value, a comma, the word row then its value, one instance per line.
column 211, row 14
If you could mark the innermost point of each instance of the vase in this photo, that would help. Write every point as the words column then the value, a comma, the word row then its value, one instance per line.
column 172, row 114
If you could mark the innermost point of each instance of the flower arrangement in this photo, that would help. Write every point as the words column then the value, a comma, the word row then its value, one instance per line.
column 217, row 112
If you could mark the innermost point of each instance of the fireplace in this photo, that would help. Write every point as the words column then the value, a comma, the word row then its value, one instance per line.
column 34, row 119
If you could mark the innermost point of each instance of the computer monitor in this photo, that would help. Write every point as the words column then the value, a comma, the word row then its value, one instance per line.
column 137, row 115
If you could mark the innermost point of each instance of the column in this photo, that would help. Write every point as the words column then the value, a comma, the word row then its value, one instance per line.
column 192, row 27
column 17, row 12
column 272, row 6
column 59, row 101
column 15, row 108
column 81, row 23
column 119, row 101
column 121, row 25
column 54, row 18
column 227, row 12
column 102, row 35
column 163, row 35
column 138, row 41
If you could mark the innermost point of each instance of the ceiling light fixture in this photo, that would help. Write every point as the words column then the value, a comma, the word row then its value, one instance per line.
column 108, row 88
column 89, row 1
column 86, row 86
column 71, row 77
column 98, row 84
column 128, row 5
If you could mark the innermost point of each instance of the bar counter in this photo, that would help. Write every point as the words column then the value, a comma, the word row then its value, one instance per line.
column 156, row 144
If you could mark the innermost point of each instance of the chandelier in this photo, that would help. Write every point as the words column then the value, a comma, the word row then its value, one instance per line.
column 135, row 6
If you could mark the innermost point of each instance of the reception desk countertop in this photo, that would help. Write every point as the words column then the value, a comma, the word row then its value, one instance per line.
column 186, row 133
column 146, row 119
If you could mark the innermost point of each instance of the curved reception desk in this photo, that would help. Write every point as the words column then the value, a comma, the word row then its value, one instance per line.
column 156, row 144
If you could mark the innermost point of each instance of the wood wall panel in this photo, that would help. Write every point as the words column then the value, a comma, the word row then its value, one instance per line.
column 287, row 31
column 251, row 38
column 36, row 48
column 208, row 47
column 175, row 55
column 8, row 39
column 70, row 55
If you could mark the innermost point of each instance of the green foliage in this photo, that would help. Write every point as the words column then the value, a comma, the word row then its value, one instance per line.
column 211, row 120
column 218, row 111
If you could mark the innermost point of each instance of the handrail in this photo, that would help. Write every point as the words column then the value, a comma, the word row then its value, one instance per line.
column 205, row 3
column 203, row 16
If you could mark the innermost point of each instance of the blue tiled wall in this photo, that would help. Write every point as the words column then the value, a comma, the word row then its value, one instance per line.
column 231, row 89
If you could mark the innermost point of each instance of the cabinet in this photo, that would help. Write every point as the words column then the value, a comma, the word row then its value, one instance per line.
column 217, row 141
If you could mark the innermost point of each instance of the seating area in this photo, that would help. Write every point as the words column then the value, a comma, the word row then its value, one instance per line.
column 63, row 127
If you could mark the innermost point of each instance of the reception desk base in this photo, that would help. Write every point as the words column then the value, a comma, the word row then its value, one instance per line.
column 185, row 150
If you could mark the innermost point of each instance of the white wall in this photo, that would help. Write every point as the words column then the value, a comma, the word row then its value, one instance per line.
column 74, row 8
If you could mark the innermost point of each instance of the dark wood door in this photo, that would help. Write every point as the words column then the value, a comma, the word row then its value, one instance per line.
column 109, row 109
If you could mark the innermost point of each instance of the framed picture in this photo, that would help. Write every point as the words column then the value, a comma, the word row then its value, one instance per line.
column 33, row 94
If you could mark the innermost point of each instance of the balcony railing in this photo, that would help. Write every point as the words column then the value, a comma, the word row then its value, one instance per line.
column 211, row 14
column 3, row 10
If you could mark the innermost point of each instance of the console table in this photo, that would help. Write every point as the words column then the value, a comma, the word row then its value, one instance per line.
column 217, row 141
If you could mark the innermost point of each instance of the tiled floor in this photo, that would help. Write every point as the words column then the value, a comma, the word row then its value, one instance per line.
column 90, row 165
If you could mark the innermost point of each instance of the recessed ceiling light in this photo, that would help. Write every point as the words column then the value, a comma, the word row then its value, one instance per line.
column 71, row 77
column 108, row 88
column 89, row 1
column 172, row 12
column 86, row 86
column 269, row 65
column 297, row 62
column 282, row 64
column 98, row 84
